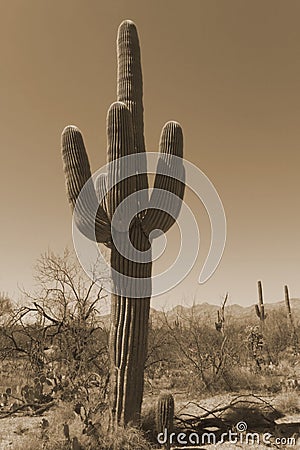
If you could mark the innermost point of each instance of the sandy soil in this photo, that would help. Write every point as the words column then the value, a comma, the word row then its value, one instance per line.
column 15, row 429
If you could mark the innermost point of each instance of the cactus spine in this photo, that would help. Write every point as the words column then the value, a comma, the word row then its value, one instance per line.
column 125, row 135
column 165, row 415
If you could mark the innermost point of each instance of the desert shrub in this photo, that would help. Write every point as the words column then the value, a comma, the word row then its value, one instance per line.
column 277, row 334
column 194, row 356
column 91, row 434
column 58, row 327
column 203, row 355
column 126, row 439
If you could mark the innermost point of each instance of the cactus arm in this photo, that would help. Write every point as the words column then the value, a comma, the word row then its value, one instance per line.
column 257, row 311
column 130, row 92
column 77, row 173
column 101, row 190
column 169, row 178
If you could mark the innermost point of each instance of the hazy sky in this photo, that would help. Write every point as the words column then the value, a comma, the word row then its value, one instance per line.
column 229, row 72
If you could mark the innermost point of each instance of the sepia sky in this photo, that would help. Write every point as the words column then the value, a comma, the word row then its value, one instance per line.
column 229, row 72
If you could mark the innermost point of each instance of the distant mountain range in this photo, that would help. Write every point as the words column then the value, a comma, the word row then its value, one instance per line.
column 208, row 313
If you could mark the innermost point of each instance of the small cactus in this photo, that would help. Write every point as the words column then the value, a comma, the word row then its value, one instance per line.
column 165, row 415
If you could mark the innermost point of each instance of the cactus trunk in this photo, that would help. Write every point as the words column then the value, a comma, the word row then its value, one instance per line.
column 128, row 353
column 128, row 337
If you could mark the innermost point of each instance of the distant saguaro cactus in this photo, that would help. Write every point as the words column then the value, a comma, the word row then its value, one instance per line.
column 294, row 336
column 288, row 305
column 221, row 316
column 260, row 307
column 131, row 278
column 260, row 311
column 165, row 415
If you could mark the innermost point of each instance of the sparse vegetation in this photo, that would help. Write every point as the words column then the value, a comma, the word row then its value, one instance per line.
column 67, row 389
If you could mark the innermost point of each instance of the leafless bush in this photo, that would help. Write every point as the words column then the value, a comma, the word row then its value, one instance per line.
column 59, row 328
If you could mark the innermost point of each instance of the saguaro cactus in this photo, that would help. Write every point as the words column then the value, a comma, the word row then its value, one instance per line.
column 288, row 305
column 260, row 307
column 131, row 278
column 165, row 415
column 294, row 336
column 260, row 311
column 221, row 316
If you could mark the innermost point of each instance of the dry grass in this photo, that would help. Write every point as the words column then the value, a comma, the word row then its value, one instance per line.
column 28, row 433
column 14, row 373
column 128, row 439
column 288, row 403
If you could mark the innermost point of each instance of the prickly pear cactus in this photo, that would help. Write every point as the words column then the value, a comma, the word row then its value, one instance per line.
column 131, row 278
